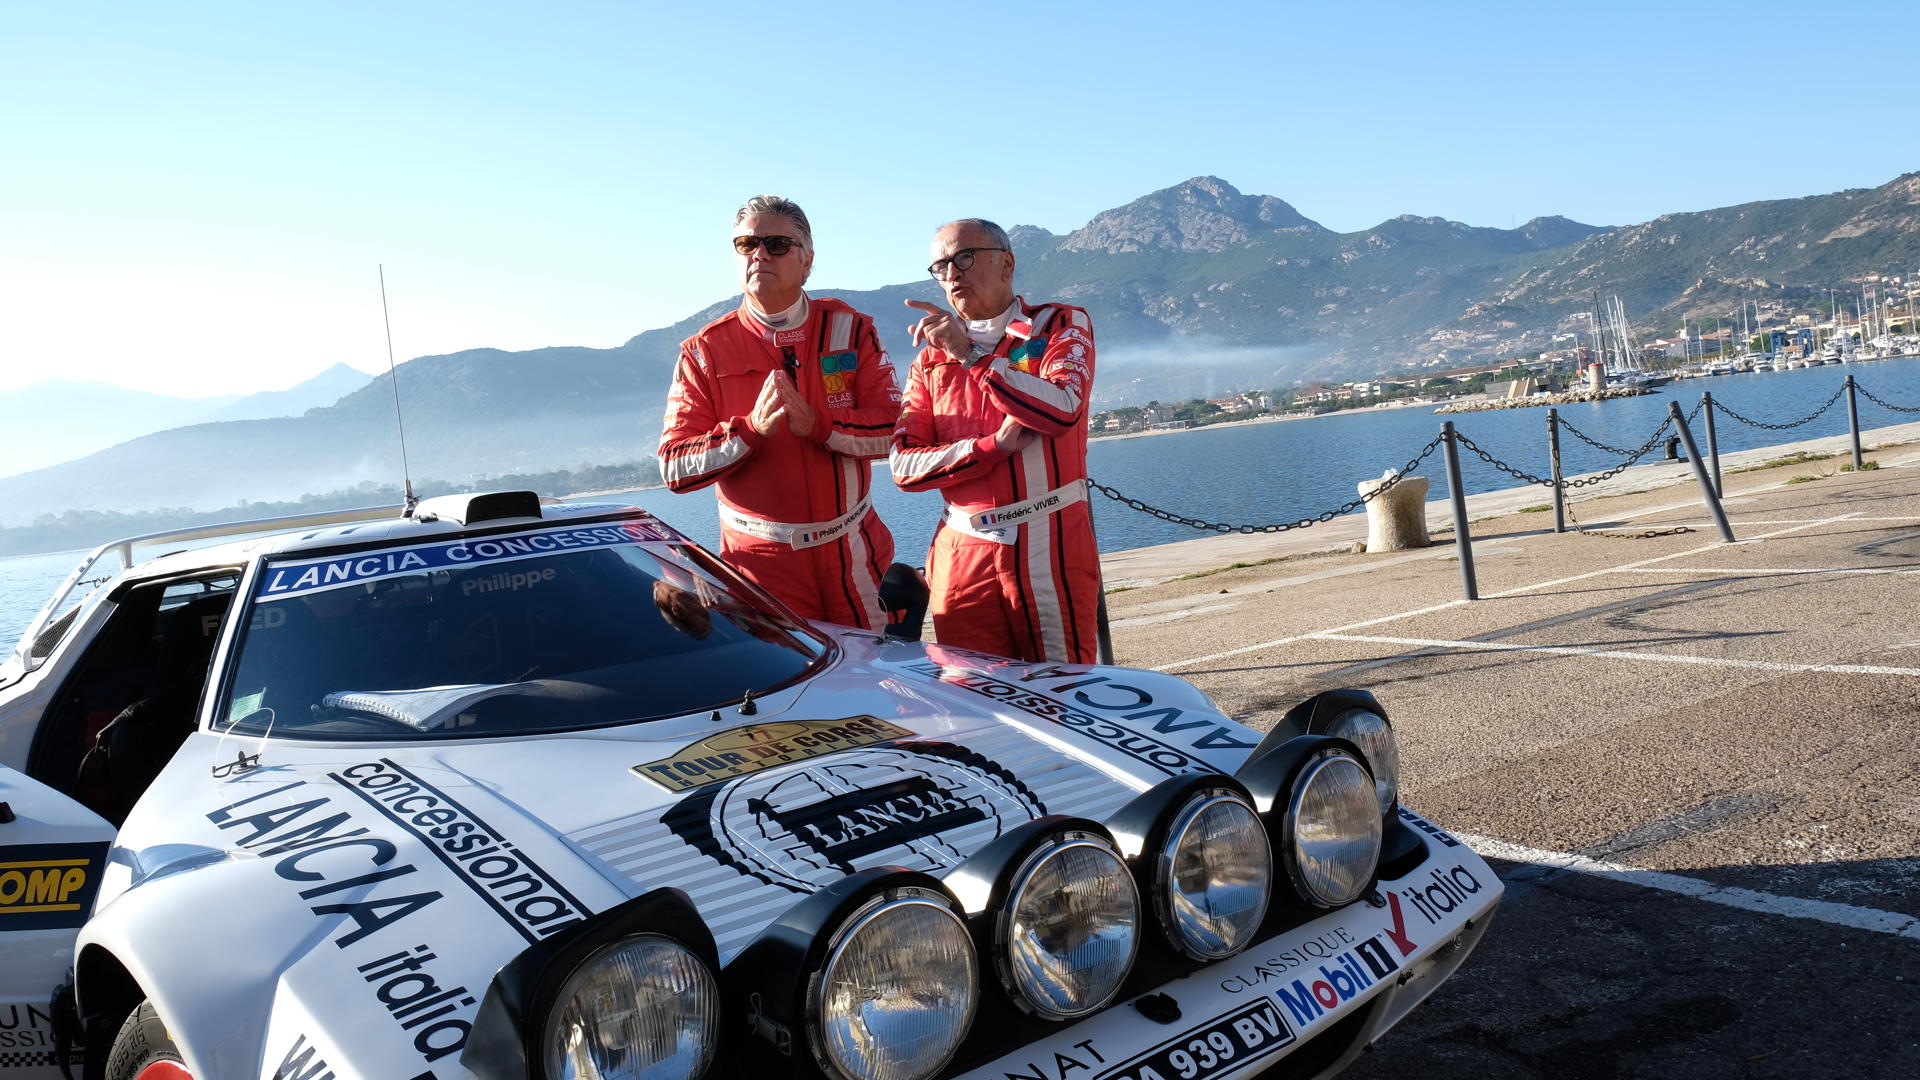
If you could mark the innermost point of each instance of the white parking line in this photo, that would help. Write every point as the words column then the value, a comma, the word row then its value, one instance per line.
column 1667, row 558
column 1847, row 915
column 1278, row 642
column 1617, row 654
column 1751, row 571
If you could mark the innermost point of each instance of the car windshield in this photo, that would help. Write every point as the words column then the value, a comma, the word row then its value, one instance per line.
column 550, row 630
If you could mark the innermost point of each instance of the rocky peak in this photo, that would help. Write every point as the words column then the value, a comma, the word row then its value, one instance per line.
column 1204, row 214
column 1030, row 239
column 1556, row 231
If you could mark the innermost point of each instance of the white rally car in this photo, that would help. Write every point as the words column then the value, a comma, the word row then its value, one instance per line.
column 502, row 789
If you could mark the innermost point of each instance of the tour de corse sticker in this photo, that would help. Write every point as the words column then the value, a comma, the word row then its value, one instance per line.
column 740, row 751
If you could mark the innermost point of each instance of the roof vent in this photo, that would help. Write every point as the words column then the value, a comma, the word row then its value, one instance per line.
column 473, row 509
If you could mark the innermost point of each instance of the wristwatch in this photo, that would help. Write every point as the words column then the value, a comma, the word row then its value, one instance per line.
column 975, row 353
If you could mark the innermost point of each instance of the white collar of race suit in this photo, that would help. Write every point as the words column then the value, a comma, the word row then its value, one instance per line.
column 790, row 319
column 987, row 333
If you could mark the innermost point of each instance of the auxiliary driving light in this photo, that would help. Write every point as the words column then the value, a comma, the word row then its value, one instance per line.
column 1214, row 875
column 1333, row 828
column 642, row 1008
column 1070, row 927
column 897, row 992
column 1374, row 736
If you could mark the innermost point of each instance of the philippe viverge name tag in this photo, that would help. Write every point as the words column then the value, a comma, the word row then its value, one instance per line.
column 739, row 751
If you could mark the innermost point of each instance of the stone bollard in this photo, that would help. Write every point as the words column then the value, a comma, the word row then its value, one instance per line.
column 1397, row 520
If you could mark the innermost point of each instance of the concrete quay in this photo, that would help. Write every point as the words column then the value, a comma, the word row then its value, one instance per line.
column 1695, row 764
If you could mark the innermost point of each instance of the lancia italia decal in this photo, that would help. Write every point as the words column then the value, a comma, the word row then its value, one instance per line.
column 741, row 751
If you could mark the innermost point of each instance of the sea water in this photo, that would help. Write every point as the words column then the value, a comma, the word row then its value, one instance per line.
column 1283, row 471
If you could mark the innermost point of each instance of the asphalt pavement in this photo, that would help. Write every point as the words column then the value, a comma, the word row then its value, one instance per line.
column 1694, row 763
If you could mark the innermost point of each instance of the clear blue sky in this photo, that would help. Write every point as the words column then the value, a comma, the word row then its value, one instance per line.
column 194, row 197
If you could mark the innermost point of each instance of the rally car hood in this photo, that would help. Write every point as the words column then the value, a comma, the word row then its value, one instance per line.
column 379, row 886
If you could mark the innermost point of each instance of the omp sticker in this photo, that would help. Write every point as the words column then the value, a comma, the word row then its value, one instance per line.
column 48, row 886
column 312, row 575
column 739, row 751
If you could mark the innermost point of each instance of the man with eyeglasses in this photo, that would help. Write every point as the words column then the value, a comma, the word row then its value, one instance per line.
column 784, row 403
column 996, row 420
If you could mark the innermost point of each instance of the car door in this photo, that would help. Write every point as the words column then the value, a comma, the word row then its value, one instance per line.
column 52, row 854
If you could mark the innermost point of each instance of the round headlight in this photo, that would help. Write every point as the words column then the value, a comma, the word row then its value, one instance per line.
column 1374, row 736
column 642, row 1008
column 1070, row 927
column 1215, row 873
column 898, row 990
column 1333, row 829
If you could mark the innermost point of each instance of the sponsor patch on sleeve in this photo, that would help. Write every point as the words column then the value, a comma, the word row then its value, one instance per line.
column 739, row 751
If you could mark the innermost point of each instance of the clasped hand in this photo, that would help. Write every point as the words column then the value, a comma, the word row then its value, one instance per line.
column 780, row 399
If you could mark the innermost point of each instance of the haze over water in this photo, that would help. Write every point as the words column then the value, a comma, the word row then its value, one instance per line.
column 1284, row 471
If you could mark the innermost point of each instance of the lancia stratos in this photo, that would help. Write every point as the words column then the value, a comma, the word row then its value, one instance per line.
column 504, row 787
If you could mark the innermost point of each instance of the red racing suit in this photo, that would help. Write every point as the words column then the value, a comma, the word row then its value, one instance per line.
column 795, row 516
column 1013, row 568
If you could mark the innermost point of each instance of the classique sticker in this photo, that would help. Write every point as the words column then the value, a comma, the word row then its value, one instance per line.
column 739, row 751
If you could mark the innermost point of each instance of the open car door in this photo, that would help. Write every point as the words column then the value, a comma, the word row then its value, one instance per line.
column 52, row 854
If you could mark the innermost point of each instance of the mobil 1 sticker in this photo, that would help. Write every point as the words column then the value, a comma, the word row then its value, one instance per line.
column 1222, row 1046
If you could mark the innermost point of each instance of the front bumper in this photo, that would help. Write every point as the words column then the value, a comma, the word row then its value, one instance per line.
column 1314, row 995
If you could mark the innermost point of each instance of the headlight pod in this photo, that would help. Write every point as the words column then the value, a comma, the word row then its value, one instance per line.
column 1070, row 927
column 641, row 1008
column 1333, row 829
column 1370, row 731
column 1213, row 876
column 897, row 992
column 625, row 994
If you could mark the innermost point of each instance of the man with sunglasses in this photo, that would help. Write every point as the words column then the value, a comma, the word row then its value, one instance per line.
column 996, row 420
column 784, row 403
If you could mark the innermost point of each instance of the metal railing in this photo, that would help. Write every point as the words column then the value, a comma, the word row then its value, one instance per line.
column 1450, row 440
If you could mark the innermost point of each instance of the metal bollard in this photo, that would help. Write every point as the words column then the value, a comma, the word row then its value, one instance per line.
column 1462, row 541
column 1711, row 497
column 1713, row 443
column 1853, row 424
column 1559, row 488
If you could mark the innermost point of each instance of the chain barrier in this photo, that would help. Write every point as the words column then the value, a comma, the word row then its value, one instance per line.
column 1722, row 407
column 1221, row 527
column 1632, row 456
column 1590, row 441
column 1612, row 535
column 1883, row 404
column 1568, row 485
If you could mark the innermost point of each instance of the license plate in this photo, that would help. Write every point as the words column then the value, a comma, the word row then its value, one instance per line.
column 1222, row 1046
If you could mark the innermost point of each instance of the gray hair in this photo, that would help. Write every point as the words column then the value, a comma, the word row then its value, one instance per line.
column 994, row 232
column 777, row 204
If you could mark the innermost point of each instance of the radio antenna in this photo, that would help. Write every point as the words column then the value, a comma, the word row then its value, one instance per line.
column 393, row 376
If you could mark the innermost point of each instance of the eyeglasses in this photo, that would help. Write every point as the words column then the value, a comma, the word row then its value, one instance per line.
column 776, row 245
column 960, row 261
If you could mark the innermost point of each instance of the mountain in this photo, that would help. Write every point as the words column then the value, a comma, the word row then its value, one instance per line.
column 59, row 419
column 323, row 389
column 1197, row 289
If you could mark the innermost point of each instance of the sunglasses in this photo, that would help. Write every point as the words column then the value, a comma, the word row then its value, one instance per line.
column 776, row 245
column 961, row 261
